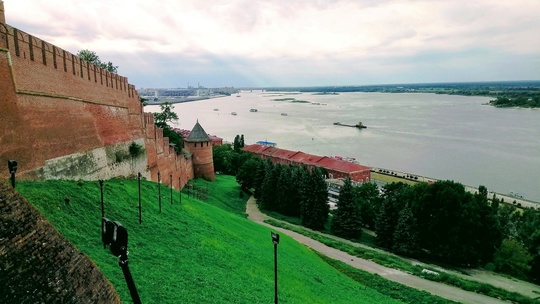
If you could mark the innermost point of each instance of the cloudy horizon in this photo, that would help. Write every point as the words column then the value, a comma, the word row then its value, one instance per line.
column 245, row 43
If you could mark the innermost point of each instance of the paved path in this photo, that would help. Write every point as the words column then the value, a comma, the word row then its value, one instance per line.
column 442, row 290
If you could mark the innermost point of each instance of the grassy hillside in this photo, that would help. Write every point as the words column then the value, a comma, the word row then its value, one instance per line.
column 192, row 252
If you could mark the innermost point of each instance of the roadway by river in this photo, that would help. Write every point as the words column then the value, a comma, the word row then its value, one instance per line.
column 508, row 198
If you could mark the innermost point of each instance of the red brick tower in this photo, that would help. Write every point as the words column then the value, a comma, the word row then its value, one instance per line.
column 199, row 144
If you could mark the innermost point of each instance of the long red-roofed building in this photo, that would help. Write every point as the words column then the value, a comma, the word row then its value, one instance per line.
column 336, row 168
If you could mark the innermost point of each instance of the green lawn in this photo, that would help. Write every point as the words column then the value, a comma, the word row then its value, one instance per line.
column 391, row 179
column 193, row 252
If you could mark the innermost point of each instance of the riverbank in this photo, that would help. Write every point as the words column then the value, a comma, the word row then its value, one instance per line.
column 413, row 178
column 175, row 100
column 429, row 134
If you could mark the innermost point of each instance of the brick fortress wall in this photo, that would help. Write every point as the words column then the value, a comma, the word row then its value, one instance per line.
column 38, row 265
column 59, row 114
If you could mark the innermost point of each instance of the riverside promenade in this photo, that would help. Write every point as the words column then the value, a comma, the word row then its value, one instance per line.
column 508, row 198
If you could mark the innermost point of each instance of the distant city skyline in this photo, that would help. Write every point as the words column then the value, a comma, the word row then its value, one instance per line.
column 243, row 43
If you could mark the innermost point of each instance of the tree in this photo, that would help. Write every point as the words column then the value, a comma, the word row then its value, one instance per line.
column 246, row 174
column 512, row 258
column 406, row 235
column 166, row 116
column 346, row 221
column 453, row 225
column 175, row 139
column 438, row 209
column 236, row 143
column 314, row 206
column 162, row 120
column 284, row 190
column 268, row 195
column 387, row 217
column 222, row 158
column 369, row 201
column 293, row 206
column 259, row 179
column 92, row 57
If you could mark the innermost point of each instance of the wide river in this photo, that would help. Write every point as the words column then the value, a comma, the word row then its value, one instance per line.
column 440, row 136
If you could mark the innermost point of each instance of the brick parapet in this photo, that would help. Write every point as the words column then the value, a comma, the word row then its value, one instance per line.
column 38, row 265
column 53, row 105
column 37, row 62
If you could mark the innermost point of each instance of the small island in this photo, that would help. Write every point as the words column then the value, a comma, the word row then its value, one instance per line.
column 506, row 94
column 291, row 100
column 359, row 125
column 520, row 101
column 325, row 93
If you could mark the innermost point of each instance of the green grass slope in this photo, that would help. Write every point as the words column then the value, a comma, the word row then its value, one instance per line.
column 191, row 252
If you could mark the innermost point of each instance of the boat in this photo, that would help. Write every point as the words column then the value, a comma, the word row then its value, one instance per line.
column 216, row 109
column 283, row 114
column 238, row 95
column 359, row 125
column 233, row 113
column 253, row 110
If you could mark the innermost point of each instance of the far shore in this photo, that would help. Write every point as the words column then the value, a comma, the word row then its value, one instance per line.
column 174, row 100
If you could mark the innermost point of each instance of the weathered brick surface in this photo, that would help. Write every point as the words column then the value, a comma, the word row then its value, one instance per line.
column 56, row 105
column 38, row 265
column 50, row 109
column 162, row 158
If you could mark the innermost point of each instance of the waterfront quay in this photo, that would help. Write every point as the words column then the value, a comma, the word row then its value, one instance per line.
column 511, row 198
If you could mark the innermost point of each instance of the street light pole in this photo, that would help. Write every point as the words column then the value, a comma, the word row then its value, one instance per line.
column 159, row 189
column 179, row 190
column 140, row 207
column 101, row 190
column 114, row 235
column 12, row 166
column 275, row 240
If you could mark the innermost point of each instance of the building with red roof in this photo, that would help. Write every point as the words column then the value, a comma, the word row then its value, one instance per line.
column 336, row 168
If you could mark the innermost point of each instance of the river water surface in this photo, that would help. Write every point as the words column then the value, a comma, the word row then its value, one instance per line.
column 441, row 136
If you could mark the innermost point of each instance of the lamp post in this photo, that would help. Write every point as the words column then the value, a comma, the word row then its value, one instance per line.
column 179, row 190
column 12, row 166
column 114, row 235
column 159, row 189
column 275, row 240
column 170, row 179
column 140, row 207
column 101, row 191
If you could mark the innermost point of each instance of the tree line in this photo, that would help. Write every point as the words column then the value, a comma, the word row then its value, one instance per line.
column 289, row 190
column 440, row 221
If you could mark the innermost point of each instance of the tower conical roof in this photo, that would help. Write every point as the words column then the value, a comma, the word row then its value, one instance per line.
column 198, row 134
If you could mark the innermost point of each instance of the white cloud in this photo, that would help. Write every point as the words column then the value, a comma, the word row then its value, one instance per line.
column 349, row 41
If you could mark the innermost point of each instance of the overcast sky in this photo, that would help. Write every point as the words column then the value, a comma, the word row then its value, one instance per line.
column 170, row 43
